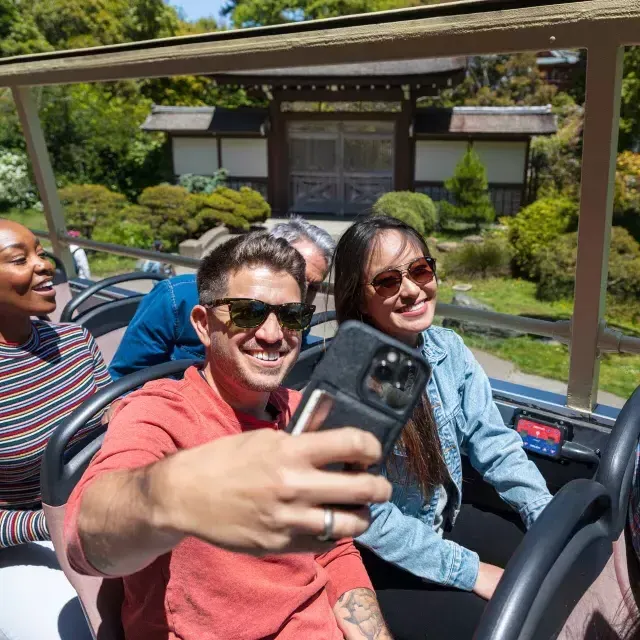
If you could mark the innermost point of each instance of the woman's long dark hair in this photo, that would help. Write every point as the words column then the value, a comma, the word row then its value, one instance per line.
column 420, row 436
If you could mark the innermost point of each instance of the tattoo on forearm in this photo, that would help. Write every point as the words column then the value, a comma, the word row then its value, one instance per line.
column 360, row 608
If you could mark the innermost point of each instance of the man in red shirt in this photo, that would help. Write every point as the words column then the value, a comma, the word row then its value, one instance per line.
column 149, row 509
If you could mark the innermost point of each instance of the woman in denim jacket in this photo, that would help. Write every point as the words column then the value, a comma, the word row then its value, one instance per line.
column 385, row 276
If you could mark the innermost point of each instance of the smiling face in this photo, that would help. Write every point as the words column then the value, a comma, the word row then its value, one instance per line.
column 245, row 361
column 410, row 311
column 26, row 275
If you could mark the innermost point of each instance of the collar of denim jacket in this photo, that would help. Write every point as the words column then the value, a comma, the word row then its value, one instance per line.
column 433, row 353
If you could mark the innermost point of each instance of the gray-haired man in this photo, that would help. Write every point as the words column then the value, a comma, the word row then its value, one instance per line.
column 161, row 329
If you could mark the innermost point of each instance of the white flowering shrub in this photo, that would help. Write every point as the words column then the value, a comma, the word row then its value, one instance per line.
column 16, row 189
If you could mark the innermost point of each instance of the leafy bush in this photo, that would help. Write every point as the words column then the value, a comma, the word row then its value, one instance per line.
column 489, row 258
column 558, row 267
column 626, row 205
column 416, row 209
column 249, row 204
column 470, row 190
column 85, row 205
column 169, row 212
column 235, row 209
column 16, row 189
column 126, row 228
column 535, row 227
column 203, row 184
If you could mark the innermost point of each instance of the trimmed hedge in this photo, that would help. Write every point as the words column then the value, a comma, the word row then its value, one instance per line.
column 487, row 259
column 535, row 227
column 557, row 268
column 416, row 209
column 86, row 205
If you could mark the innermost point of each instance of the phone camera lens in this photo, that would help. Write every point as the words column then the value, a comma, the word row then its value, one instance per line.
column 383, row 372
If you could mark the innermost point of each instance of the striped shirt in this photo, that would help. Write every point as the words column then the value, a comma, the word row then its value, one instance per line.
column 41, row 383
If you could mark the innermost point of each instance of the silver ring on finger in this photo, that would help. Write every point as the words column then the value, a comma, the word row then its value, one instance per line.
column 327, row 533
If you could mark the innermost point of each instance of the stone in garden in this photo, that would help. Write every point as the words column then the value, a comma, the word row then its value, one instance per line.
column 447, row 247
column 463, row 300
column 431, row 241
column 473, row 239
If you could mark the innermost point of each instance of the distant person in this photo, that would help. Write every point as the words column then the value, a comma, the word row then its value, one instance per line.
column 79, row 258
column 155, row 266
column 47, row 370
column 161, row 329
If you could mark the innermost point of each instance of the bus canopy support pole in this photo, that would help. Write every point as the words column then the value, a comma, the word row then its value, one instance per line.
column 600, row 141
column 43, row 172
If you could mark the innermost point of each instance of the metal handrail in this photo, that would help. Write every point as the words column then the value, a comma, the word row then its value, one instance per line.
column 609, row 340
column 129, row 252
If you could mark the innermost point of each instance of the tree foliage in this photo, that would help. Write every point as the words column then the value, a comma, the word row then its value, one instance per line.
column 253, row 13
column 416, row 209
column 469, row 188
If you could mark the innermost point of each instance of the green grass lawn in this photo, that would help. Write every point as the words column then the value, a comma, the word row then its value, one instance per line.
column 103, row 265
column 619, row 373
column 28, row 217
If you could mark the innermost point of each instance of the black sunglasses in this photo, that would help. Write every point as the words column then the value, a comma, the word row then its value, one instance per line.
column 388, row 282
column 247, row 313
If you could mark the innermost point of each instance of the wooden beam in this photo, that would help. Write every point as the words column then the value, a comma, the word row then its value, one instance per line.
column 43, row 172
column 600, row 141
column 490, row 28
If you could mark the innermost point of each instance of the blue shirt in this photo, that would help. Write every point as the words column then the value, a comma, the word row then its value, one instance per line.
column 404, row 530
column 161, row 329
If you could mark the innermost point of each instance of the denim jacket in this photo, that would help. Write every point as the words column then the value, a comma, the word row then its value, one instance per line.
column 402, row 531
column 161, row 329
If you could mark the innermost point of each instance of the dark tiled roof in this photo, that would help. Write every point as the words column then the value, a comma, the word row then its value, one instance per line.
column 389, row 69
column 205, row 120
column 486, row 120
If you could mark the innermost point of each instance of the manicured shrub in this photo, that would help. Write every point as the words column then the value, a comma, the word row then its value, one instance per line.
column 126, row 228
column 416, row 209
column 235, row 209
column 626, row 205
column 470, row 190
column 535, row 227
column 170, row 212
column 487, row 259
column 85, row 205
column 557, row 268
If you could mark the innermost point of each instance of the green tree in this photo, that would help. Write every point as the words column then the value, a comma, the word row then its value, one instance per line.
column 500, row 80
column 630, row 103
column 253, row 13
column 470, row 190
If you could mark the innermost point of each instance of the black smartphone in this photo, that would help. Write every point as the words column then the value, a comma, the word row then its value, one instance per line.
column 367, row 380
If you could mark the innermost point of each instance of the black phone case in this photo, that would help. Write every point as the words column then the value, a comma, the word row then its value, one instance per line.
column 342, row 372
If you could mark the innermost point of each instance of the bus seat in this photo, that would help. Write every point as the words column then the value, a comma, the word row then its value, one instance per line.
column 107, row 321
column 610, row 601
column 617, row 464
column 558, row 559
column 61, row 470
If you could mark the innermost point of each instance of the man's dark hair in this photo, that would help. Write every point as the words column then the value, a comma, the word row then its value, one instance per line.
column 251, row 250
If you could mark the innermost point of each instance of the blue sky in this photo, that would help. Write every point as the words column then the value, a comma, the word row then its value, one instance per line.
column 195, row 9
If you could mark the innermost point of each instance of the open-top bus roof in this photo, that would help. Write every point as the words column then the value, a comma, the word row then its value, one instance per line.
column 603, row 27
column 457, row 28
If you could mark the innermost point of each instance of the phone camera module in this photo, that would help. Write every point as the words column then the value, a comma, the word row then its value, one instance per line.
column 383, row 372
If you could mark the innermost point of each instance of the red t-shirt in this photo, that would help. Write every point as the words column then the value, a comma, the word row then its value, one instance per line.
column 199, row 591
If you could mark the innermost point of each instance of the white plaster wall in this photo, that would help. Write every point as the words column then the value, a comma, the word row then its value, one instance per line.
column 195, row 155
column 245, row 157
column 504, row 161
column 436, row 159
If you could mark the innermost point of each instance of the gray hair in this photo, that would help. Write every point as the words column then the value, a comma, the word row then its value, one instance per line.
column 297, row 228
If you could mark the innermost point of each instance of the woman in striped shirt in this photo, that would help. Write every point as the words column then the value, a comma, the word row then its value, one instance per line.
column 46, row 371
